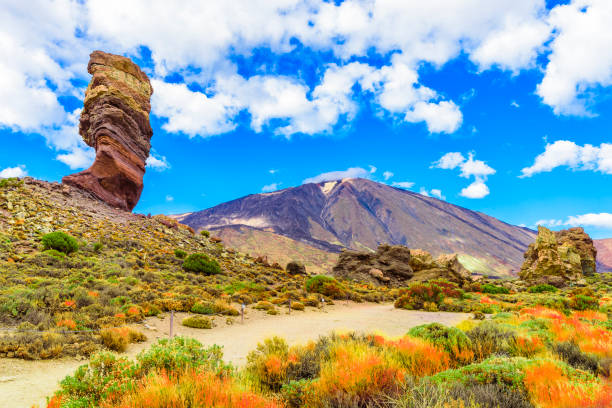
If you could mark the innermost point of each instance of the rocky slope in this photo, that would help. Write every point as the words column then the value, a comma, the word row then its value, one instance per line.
column 115, row 121
column 557, row 257
column 397, row 266
column 604, row 254
column 360, row 214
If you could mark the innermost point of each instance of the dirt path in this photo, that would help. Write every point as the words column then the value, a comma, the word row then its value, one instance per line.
column 26, row 383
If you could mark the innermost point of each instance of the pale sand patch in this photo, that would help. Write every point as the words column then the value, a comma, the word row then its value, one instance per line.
column 25, row 383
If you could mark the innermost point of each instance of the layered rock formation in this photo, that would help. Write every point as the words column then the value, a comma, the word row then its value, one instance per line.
column 115, row 121
column 559, row 257
column 396, row 265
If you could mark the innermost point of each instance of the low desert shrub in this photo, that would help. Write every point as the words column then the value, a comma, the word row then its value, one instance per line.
column 583, row 302
column 60, row 241
column 569, row 352
column 200, row 263
column 490, row 338
column 203, row 308
column 191, row 388
column 455, row 342
column 118, row 338
column 197, row 322
column 269, row 363
column 205, row 233
column 542, row 288
column 297, row 306
column 551, row 385
column 325, row 285
column 179, row 353
column 417, row 294
column 493, row 289
column 355, row 376
column 179, row 253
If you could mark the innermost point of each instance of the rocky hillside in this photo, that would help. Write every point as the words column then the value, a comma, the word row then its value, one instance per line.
column 604, row 254
column 360, row 214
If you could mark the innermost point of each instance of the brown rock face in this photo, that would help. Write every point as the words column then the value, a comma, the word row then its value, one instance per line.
column 115, row 121
column 559, row 256
column 396, row 265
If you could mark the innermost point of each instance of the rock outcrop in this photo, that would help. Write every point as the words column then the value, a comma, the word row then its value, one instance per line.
column 397, row 265
column 115, row 121
column 559, row 257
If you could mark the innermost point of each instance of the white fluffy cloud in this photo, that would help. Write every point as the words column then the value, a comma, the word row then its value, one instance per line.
column 478, row 189
column 157, row 162
column 565, row 153
column 387, row 175
column 351, row 172
column 468, row 168
column 581, row 56
column 434, row 192
column 598, row 220
column 44, row 47
column 17, row 171
column 270, row 187
column 403, row 184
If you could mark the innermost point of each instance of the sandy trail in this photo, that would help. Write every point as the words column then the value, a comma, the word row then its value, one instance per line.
column 27, row 383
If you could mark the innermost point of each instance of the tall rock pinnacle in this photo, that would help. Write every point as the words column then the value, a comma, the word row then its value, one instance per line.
column 115, row 121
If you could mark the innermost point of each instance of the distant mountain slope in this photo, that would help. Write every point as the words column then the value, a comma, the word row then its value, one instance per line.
column 361, row 214
column 277, row 248
column 604, row 254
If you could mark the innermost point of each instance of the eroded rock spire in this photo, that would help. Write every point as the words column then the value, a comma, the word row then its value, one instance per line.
column 115, row 121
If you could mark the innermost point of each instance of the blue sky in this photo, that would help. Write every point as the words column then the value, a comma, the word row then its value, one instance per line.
column 502, row 107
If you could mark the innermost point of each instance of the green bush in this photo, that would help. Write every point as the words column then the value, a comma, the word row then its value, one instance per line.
column 325, row 285
column 493, row 289
column 179, row 353
column 451, row 339
column 179, row 253
column 60, row 241
column 542, row 288
column 201, row 263
column 205, row 233
column 97, row 247
column 583, row 302
column 198, row 322
column 10, row 182
column 203, row 308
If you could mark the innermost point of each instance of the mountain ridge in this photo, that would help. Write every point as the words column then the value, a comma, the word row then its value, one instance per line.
column 361, row 214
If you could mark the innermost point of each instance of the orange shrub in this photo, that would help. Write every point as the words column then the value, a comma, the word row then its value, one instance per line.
column 419, row 357
column 191, row 389
column 549, row 387
column 357, row 374
column 69, row 303
column 67, row 323
column 528, row 346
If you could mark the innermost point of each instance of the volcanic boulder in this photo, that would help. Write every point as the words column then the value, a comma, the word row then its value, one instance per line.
column 115, row 121
column 397, row 265
column 559, row 257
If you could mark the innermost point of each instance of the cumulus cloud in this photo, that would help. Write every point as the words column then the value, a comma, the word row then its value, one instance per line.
column 565, row 153
column 352, row 172
column 403, row 184
column 449, row 161
column 434, row 192
column 44, row 48
column 17, row 171
column 478, row 189
column 581, row 57
column 387, row 175
column 270, row 187
column 469, row 168
column 597, row 220
column 169, row 198
column 157, row 162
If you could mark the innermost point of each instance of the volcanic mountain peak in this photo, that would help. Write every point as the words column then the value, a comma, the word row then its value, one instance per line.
column 361, row 214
